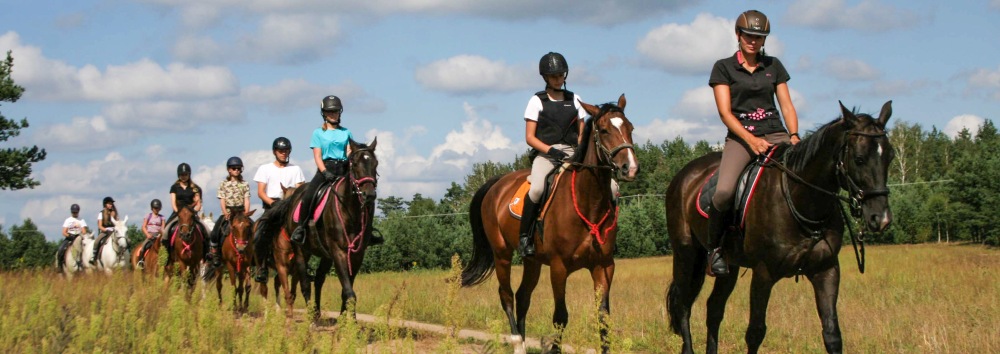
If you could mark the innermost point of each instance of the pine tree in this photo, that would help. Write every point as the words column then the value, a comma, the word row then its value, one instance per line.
column 15, row 163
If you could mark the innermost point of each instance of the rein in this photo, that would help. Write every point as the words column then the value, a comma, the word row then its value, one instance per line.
column 855, row 196
column 606, row 156
column 239, row 254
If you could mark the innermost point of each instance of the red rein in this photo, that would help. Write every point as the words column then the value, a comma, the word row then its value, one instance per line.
column 595, row 228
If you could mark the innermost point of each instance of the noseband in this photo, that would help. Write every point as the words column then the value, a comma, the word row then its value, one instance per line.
column 608, row 154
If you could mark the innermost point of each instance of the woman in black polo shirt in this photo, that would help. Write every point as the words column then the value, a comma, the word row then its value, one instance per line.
column 745, row 86
column 184, row 193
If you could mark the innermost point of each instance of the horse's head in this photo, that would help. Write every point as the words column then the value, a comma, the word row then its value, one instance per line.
column 863, row 168
column 185, row 222
column 612, row 134
column 364, row 170
column 240, row 227
column 120, row 237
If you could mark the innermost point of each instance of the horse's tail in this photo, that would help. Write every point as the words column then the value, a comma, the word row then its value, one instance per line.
column 212, row 271
column 675, row 308
column 481, row 265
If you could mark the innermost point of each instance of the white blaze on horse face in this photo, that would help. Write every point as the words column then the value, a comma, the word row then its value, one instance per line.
column 632, row 163
column 879, row 150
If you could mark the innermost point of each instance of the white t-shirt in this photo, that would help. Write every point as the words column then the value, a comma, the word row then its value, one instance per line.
column 74, row 226
column 535, row 106
column 273, row 177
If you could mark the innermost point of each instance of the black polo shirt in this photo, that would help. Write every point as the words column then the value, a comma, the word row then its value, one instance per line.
column 752, row 94
column 185, row 196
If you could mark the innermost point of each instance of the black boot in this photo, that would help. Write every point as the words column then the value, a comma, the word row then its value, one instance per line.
column 261, row 275
column 299, row 235
column 716, row 229
column 375, row 237
column 142, row 254
column 97, row 248
column 214, row 254
column 528, row 217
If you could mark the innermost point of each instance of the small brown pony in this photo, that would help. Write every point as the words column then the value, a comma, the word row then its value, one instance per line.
column 237, row 257
column 150, row 259
column 188, row 244
column 345, row 223
column 580, row 225
column 794, row 224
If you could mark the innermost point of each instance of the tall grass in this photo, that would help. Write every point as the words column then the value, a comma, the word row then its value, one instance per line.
column 917, row 298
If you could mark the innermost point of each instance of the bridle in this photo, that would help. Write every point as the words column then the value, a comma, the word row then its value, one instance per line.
column 856, row 194
column 356, row 183
column 605, row 155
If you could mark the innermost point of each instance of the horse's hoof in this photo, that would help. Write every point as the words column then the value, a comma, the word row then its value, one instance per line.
column 518, row 343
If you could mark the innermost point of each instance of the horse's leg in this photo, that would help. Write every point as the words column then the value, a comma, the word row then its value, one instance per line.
column 506, row 292
column 281, row 282
column 760, row 294
column 522, row 300
column 321, row 272
column 560, row 316
column 716, row 308
column 346, row 288
column 602, row 276
column 688, row 279
column 826, row 285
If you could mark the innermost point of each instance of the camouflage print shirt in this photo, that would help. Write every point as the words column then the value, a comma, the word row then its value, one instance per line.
column 234, row 192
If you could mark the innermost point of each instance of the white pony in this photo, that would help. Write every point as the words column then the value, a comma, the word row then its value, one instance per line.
column 115, row 252
column 73, row 258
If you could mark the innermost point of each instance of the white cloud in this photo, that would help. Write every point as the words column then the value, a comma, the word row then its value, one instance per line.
column 846, row 69
column 83, row 134
column 956, row 124
column 868, row 15
column 698, row 102
column 987, row 80
column 659, row 130
column 472, row 74
column 140, row 80
column 692, row 48
column 293, row 94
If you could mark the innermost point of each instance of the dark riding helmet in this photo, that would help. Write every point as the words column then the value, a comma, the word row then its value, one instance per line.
column 75, row 208
column 281, row 143
column 234, row 161
column 331, row 104
column 753, row 22
column 183, row 169
column 553, row 63
column 155, row 204
column 108, row 200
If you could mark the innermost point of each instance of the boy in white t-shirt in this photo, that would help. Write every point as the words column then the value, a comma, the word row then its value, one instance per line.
column 271, row 178
column 73, row 227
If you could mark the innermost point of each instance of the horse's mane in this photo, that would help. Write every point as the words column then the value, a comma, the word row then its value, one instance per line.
column 588, row 128
column 800, row 154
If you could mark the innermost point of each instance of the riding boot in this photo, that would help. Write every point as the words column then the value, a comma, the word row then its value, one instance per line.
column 528, row 217
column 142, row 254
column 97, row 248
column 375, row 237
column 717, row 265
column 299, row 235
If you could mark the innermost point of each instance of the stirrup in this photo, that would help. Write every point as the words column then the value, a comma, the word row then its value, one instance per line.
column 527, row 248
column 141, row 264
column 716, row 265
column 261, row 276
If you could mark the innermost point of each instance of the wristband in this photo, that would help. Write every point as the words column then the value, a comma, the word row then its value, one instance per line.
column 793, row 134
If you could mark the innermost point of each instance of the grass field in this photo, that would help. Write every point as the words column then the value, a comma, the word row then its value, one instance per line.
column 927, row 298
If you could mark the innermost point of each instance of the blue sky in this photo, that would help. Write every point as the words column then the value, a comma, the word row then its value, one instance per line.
column 120, row 92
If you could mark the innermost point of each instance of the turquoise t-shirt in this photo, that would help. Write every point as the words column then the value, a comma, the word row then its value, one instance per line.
column 333, row 142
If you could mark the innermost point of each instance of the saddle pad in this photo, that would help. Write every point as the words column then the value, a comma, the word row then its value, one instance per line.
column 319, row 206
column 745, row 187
column 516, row 205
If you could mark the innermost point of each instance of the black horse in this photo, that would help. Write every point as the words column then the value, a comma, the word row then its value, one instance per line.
column 794, row 224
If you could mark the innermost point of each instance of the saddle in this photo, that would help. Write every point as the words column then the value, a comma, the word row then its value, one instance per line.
column 745, row 187
column 516, row 205
column 318, row 201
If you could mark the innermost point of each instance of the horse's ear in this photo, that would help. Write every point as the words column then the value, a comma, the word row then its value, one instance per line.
column 249, row 213
column 883, row 117
column 591, row 109
column 354, row 144
column 847, row 116
column 125, row 221
column 621, row 102
column 374, row 142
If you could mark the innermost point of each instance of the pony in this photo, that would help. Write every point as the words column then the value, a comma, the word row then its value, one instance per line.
column 150, row 259
column 237, row 257
column 115, row 252
column 187, row 245
column 580, row 224
column 794, row 224
column 343, row 225
column 73, row 258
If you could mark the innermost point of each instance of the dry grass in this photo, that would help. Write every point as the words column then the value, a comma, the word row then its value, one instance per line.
column 913, row 299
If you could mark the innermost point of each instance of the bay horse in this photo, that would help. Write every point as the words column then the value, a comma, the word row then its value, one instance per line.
column 343, row 226
column 580, row 226
column 150, row 259
column 794, row 224
column 237, row 257
column 187, row 245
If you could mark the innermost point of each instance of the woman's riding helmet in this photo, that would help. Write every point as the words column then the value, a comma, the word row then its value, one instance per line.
column 108, row 200
column 183, row 169
column 331, row 104
column 155, row 204
column 553, row 63
column 234, row 162
column 753, row 22
column 75, row 208
column 281, row 143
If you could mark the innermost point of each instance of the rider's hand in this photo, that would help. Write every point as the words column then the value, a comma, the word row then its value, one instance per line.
column 109, row 229
column 758, row 145
column 795, row 139
column 557, row 154
column 329, row 175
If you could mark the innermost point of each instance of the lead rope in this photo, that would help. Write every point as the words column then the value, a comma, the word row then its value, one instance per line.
column 353, row 244
column 595, row 228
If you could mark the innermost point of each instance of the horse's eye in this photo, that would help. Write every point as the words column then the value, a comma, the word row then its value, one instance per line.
column 859, row 160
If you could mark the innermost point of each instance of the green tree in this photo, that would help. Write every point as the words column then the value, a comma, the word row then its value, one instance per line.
column 15, row 163
column 29, row 248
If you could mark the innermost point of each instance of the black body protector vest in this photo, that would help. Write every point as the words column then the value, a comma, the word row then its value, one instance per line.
column 557, row 122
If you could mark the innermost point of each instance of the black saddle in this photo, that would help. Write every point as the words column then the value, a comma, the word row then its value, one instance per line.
column 744, row 188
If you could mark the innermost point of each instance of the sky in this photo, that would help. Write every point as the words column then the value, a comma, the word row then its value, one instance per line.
column 120, row 92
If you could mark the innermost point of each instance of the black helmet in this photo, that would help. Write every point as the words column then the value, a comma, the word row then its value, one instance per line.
column 331, row 104
column 281, row 143
column 553, row 63
column 234, row 162
column 753, row 22
column 108, row 200
column 155, row 204
column 183, row 169
column 75, row 208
